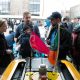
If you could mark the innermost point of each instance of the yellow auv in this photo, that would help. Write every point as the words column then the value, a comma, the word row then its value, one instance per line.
column 8, row 73
column 75, row 74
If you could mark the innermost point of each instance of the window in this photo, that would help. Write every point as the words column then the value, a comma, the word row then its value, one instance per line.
column 34, row 7
column 34, row 0
column 4, row 6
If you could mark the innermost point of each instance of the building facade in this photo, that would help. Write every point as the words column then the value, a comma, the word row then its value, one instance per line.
column 4, row 7
column 65, row 13
column 35, row 7
column 75, row 11
column 17, row 7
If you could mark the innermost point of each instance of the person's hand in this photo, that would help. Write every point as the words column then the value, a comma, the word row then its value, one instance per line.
column 17, row 47
column 48, row 41
column 9, row 51
column 15, row 39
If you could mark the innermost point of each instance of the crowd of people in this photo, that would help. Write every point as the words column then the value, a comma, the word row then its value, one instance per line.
column 60, row 35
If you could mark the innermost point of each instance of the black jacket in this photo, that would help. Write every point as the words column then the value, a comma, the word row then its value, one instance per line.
column 65, row 41
column 3, row 44
column 25, row 49
column 5, row 58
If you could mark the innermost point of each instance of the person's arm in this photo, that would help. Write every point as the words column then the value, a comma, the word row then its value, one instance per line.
column 3, row 48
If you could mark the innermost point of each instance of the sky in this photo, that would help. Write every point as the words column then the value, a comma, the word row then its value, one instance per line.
column 58, row 5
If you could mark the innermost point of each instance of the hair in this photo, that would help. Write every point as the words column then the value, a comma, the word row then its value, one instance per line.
column 66, row 18
column 2, row 22
column 27, row 27
column 26, row 13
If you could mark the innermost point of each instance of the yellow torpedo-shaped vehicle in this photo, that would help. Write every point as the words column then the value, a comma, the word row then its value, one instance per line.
column 19, row 69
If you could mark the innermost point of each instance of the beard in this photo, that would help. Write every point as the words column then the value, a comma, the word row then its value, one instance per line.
column 55, row 24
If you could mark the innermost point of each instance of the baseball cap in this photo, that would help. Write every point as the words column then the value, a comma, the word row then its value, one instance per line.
column 55, row 15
